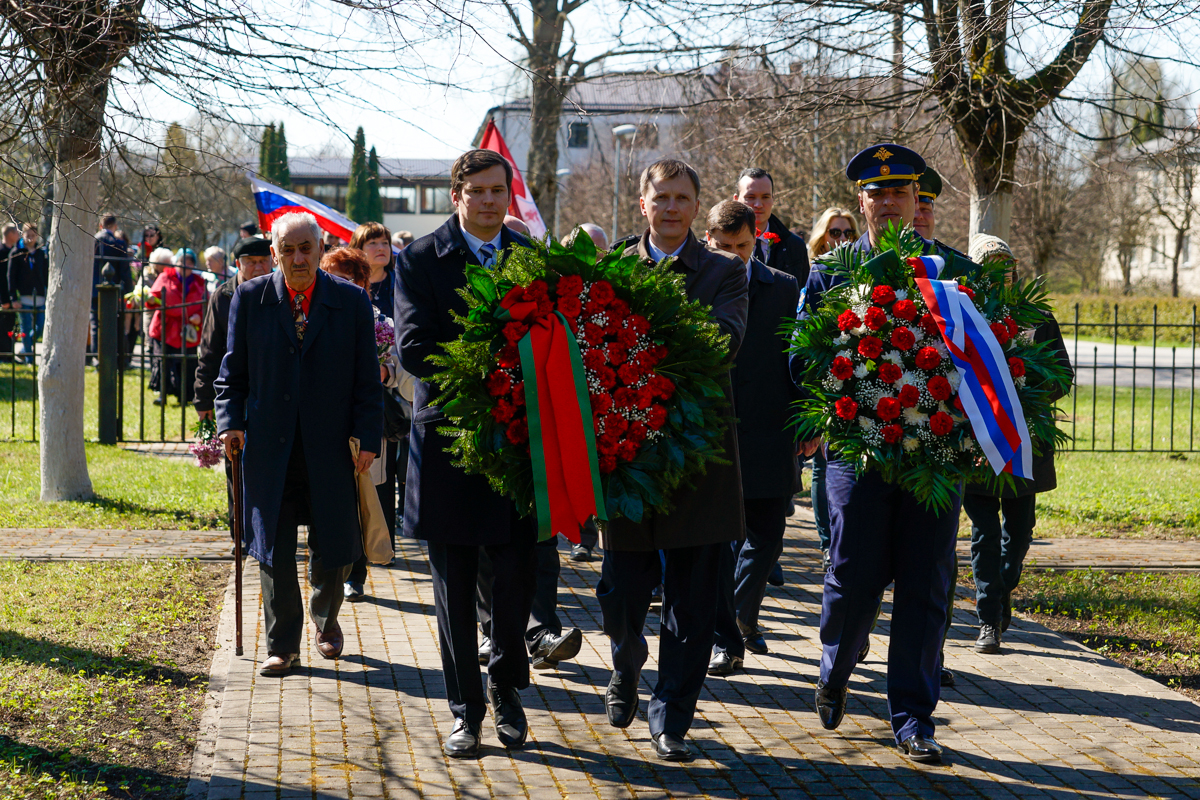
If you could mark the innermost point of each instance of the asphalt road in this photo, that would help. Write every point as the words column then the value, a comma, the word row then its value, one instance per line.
column 1103, row 364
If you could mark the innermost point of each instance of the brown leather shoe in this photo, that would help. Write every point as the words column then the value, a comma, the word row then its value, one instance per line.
column 329, row 643
column 279, row 664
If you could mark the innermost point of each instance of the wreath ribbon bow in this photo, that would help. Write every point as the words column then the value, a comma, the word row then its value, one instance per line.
column 987, row 391
column 562, row 438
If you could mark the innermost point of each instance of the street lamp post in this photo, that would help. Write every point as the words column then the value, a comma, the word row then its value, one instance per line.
column 562, row 175
column 619, row 132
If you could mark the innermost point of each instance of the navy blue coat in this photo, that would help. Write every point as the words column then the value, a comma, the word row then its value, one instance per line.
column 442, row 503
column 790, row 255
column 763, row 391
column 329, row 386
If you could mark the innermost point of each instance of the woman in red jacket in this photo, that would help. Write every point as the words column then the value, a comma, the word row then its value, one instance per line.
column 175, row 329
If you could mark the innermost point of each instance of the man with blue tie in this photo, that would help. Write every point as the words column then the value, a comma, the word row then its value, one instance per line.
column 880, row 532
column 456, row 513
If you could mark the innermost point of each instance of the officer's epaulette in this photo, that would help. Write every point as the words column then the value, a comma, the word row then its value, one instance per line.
column 945, row 248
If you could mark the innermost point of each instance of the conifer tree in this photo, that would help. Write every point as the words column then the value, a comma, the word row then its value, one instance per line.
column 374, row 196
column 283, row 175
column 357, row 204
column 266, row 150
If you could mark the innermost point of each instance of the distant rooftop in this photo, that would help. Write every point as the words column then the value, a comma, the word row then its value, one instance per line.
column 632, row 91
column 405, row 168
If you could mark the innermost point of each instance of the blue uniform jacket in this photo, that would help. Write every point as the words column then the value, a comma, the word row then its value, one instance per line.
column 442, row 503
column 330, row 386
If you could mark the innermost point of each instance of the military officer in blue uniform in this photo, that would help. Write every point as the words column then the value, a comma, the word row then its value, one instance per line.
column 881, row 533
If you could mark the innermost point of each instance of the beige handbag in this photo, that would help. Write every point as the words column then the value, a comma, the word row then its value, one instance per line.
column 377, row 539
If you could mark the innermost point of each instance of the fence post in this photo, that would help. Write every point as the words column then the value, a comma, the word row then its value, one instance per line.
column 107, row 352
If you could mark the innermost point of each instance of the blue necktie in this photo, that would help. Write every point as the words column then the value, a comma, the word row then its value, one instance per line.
column 487, row 254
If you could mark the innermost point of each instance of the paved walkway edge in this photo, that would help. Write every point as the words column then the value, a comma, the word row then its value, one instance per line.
column 206, row 735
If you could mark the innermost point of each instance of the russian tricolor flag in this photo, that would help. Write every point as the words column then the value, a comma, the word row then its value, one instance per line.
column 273, row 202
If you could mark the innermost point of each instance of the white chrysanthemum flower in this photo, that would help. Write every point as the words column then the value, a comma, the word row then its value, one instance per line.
column 842, row 339
column 911, row 443
column 914, row 417
column 955, row 379
column 1019, row 382
column 945, row 409
column 866, row 423
column 845, row 354
column 901, row 294
column 831, row 383
column 940, row 346
column 861, row 330
column 917, row 333
column 909, row 379
column 894, row 357
column 860, row 371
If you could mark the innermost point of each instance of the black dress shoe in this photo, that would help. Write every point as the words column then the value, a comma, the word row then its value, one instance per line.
column 922, row 748
column 831, row 706
column 989, row 639
column 755, row 643
column 621, row 700
column 947, row 678
column 670, row 747
column 463, row 741
column 485, row 651
column 353, row 591
column 723, row 664
column 511, row 727
column 580, row 552
column 775, row 578
column 552, row 649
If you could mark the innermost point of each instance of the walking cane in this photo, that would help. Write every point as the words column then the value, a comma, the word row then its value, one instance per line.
column 236, row 450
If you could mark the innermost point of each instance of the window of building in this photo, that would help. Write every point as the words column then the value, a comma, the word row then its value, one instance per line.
column 435, row 200
column 1185, row 251
column 399, row 199
column 577, row 134
column 331, row 194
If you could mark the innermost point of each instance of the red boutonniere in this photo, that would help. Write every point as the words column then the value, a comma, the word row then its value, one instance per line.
column 768, row 237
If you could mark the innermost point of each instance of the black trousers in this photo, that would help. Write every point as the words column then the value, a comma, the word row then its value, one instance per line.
column 455, row 571
column 543, row 617
column 387, row 499
column 745, row 567
column 689, row 607
column 283, row 603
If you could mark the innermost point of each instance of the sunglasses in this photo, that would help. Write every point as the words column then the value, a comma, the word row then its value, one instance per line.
column 838, row 233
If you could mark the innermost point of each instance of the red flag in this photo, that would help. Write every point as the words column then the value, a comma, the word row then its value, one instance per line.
column 522, row 205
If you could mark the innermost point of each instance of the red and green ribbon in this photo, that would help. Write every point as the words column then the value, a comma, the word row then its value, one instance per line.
column 562, row 440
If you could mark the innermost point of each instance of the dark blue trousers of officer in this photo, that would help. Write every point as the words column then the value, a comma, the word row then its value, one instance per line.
column 745, row 567
column 688, row 576
column 881, row 534
column 543, row 618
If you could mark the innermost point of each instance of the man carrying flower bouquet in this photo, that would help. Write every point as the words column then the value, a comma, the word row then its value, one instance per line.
column 455, row 512
column 881, row 532
column 705, row 518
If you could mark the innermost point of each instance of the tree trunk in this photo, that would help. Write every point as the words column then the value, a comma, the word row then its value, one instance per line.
column 548, row 90
column 1179, row 234
column 991, row 212
column 68, row 299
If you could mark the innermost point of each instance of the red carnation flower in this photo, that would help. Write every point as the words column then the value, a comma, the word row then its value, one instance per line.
column 607, row 464
column 889, row 372
column 645, row 396
column 656, row 417
column 619, row 307
column 518, row 393
column 637, row 432
column 627, row 338
column 882, row 295
column 848, row 320
column 968, row 292
column 499, row 383
column 1017, row 367
column 612, row 328
column 606, row 377
column 638, row 324
column 1000, row 331
column 905, row 310
column 875, row 318
column 626, row 451
column 628, row 374
column 941, row 423
column 870, row 347
column 958, row 402
column 888, row 408
column 508, row 357
column 929, row 325
column 602, row 292
column 544, row 306
column 842, row 368
column 518, row 431
column 593, row 334
column 569, row 285
column 607, row 443
column 625, row 397
column 928, row 358
column 892, row 433
column 594, row 359
column 616, row 353
column 903, row 339
column 601, row 403
column 615, row 424
column 537, row 290
column 909, row 396
column 846, row 408
column 513, row 331
column 644, row 360
column 1013, row 329
column 662, row 386
column 591, row 308
column 939, row 387
column 503, row 412
column 570, row 306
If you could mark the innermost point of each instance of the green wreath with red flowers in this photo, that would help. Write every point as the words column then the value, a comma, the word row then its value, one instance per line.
column 649, row 368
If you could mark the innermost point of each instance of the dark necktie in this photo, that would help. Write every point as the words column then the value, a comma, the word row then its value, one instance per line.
column 487, row 254
column 300, row 317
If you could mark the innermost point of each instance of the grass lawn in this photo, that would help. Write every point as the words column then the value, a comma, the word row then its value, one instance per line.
column 1149, row 622
column 133, row 491
column 1129, row 420
column 101, row 691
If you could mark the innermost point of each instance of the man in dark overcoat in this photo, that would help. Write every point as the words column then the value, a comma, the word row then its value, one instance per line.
column 763, row 392
column 457, row 513
column 706, row 516
column 252, row 255
column 299, row 379
column 777, row 246
column 880, row 532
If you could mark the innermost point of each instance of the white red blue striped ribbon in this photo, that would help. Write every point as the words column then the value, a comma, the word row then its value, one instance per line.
column 986, row 391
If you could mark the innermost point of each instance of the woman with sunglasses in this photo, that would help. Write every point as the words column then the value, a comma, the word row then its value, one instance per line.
column 835, row 227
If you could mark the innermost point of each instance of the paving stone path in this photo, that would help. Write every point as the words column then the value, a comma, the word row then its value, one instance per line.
column 1045, row 718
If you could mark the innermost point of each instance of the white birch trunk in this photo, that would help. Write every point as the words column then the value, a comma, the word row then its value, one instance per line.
column 991, row 213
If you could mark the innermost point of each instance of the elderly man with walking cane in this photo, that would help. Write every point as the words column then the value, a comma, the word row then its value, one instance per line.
column 299, row 380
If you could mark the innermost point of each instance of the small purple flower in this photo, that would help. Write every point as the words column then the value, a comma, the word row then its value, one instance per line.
column 207, row 448
column 385, row 338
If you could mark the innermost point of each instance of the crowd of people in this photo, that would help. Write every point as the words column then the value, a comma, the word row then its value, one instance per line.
column 289, row 369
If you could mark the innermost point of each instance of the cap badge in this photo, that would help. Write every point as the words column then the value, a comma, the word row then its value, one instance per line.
column 885, row 170
column 883, row 154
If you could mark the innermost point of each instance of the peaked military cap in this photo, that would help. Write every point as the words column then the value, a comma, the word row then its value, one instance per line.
column 251, row 246
column 930, row 186
column 884, row 165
